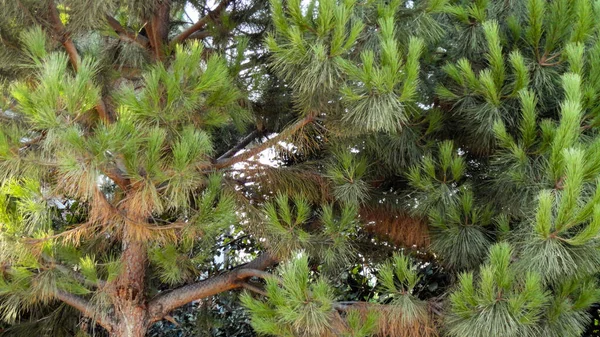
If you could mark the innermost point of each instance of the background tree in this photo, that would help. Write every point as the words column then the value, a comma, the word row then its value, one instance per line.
column 434, row 167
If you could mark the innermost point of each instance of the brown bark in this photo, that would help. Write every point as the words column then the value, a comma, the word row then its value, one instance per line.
column 129, row 290
column 63, row 36
column 158, row 29
column 133, row 315
column 132, row 322
column 166, row 302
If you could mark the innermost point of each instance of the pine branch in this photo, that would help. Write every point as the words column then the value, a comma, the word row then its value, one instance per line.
column 242, row 144
column 201, row 23
column 126, row 34
column 166, row 302
column 86, row 309
column 63, row 235
column 69, row 271
column 78, row 277
column 226, row 162
column 64, row 38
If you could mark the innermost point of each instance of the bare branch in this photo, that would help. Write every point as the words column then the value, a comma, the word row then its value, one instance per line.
column 242, row 144
column 201, row 23
column 226, row 162
column 199, row 35
column 172, row 320
column 168, row 301
column 86, row 309
column 126, row 34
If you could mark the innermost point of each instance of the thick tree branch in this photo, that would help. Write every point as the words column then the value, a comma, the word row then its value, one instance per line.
column 158, row 28
column 199, row 35
column 86, row 309
column 126, row 34
column 226, row 162
column 168, row 301
column 201, row 23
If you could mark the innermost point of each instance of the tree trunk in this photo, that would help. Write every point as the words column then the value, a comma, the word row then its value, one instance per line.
column 130, row 297
column 132, row 322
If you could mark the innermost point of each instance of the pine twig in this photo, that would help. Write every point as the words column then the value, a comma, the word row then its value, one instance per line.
column 27, row 12
column 219, row 164
column 62, row 235
column 126, row 34
column 201, row 23
column 171, row 319
column 239, row 146
column 68, row 271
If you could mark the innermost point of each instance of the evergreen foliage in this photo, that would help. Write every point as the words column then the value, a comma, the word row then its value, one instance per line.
column 355, row 168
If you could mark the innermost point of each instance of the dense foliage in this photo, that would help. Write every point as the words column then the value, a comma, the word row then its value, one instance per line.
column 299, row 168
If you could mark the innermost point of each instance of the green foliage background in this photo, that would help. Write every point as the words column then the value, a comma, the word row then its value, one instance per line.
column 435, row 165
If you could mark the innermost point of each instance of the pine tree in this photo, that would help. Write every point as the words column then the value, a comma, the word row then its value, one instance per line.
column 434, row 167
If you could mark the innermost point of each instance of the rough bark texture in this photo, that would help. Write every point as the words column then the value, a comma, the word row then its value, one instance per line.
column 165, row 303
column 129, row 292
column 133, row 315
column 158, row 28
column 132, row 323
